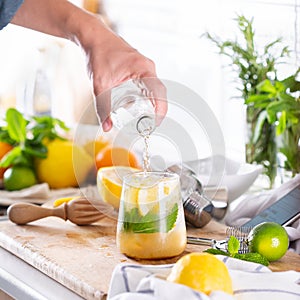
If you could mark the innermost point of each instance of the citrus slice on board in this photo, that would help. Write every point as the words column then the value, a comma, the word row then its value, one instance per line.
column 60, row 201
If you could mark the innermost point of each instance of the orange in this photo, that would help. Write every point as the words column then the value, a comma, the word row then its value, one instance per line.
column 4, row 149
column 94, row 146
column 202, row 272
column 116, row 156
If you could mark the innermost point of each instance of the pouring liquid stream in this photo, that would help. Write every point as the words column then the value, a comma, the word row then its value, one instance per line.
column 145, row 129
column 146, row 156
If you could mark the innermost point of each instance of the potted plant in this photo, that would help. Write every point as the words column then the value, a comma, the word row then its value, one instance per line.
column 280, row 105
column 256, row 69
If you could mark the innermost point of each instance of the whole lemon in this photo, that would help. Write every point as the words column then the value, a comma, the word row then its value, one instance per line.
column 269, row 239
column 203, row 272
column 66, row 165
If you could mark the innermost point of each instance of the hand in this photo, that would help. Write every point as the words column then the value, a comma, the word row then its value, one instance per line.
column 112, row 61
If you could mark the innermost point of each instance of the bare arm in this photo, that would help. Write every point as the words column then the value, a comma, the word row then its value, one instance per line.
column 110, row 59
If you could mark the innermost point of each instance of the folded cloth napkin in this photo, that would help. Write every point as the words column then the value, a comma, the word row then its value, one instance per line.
column 37, row 194
column 250, row 281
column 41, row 193
column 248, row 206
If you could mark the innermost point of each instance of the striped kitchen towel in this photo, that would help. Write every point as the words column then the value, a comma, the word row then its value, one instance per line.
column 250, row 281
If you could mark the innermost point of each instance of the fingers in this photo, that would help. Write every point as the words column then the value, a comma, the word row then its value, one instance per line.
column 155, row 91
column 103, row 108
column 157, row 94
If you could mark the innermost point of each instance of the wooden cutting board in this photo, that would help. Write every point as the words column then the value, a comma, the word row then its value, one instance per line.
column 82, row 258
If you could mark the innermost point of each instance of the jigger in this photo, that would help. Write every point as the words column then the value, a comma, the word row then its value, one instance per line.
column 198, row 208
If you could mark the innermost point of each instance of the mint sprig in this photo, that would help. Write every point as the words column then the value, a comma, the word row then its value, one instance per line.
column 27, row 136
column 233, row 247
column 150, row 223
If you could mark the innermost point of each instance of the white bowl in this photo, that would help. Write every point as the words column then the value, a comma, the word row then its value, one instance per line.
column 219, row 171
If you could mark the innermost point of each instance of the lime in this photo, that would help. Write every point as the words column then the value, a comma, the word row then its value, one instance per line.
column 268, row 239
column 18, row 177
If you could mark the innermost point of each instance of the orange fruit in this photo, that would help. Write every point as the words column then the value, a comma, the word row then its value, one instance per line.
column 116, row 156
column 202, row 272
column 94, row 146
column 4, row 149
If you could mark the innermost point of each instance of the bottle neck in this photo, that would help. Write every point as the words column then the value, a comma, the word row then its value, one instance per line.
column 145, row 125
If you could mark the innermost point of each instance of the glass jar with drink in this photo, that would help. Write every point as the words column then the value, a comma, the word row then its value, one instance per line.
column 151, row 221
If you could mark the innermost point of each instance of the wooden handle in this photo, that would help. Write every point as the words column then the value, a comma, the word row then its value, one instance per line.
column 22, row 213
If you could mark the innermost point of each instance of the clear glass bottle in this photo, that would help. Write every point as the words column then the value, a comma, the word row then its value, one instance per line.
column 132, row 108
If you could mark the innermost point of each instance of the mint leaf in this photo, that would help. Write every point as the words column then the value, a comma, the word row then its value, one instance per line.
column 253, row 257
column 216, row 251
column 150, row 223
column 10, row 158
column 47, row 127
column 16, row 125
column 233, row 245
column 172, row 217
column 28, row 137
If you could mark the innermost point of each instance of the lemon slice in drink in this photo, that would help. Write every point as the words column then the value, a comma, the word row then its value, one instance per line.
column 109, row 183
column 152, row 198
column 148, row 200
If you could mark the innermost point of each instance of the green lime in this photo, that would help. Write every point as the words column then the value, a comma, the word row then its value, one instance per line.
column 18, row 177
column 269, row 239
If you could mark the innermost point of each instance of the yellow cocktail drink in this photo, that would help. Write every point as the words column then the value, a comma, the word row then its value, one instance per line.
column 151, row 221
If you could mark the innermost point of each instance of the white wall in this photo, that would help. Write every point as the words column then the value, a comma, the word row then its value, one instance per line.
column 168, row 32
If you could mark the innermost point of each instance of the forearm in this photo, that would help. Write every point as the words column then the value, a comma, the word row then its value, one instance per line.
column 110, row 60
column 56, row 17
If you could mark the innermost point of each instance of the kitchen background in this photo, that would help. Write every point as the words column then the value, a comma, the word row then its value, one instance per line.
column 170, row 33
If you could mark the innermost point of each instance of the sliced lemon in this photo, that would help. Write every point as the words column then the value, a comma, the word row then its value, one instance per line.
column 109, row 183
column 60, row 201
column 148, row 200
column 152, row 198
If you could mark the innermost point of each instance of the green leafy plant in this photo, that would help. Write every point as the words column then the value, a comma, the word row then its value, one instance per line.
column 254, row 66
column 281, row 107
column 28, row 137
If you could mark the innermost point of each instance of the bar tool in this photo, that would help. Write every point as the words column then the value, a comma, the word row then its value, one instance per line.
column 241, row 233
column 198, row 208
